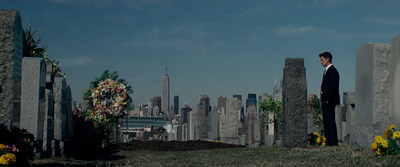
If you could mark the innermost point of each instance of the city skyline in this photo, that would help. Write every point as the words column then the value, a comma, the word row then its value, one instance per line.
column 213, row 48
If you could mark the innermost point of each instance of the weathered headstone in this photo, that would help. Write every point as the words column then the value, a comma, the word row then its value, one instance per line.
column 294, row 104
column 231, row 119
column 33, row 84
column 10, row 72
column 373, row 76
column 201, row 123
column 60, row 116
column 339, row 111
column 49, row 75
column 214, row 125
column 350, row 114
column 271, row 136
column 48, row 120
column 394, row 94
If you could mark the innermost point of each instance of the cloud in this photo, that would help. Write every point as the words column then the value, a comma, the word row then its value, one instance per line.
column 78, row 61
column 89, row 3
column 384, row 20
column 291, row 30
column 329, row 3
column 186, row 39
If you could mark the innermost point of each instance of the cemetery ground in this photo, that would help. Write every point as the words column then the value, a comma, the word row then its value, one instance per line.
column 199, row 153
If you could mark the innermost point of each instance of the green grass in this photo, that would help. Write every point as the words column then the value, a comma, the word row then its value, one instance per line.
column 261, row 156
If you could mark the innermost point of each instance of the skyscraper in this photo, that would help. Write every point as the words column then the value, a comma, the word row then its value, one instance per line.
column 221, row 103
column 204, row 103
column 165, row 93
column 251, row 101
column 176, row 105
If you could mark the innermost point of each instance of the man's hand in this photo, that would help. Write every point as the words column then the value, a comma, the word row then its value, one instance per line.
column 327, row 102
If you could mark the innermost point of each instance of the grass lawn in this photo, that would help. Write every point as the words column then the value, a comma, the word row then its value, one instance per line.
column 262, row 156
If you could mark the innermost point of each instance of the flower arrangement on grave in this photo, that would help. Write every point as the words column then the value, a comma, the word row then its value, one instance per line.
column 388, row 144
column 16, row 146
column 317, row 140
column 270, row 105
column 109, row 101
column 7, row 154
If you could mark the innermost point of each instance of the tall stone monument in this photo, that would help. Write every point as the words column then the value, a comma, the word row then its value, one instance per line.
column 229, row 121
column 294, row 104
column 10, row 72
column 373, row 84
column 33, row 84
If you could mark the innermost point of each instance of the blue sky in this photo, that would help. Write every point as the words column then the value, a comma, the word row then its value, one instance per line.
column 211, row 47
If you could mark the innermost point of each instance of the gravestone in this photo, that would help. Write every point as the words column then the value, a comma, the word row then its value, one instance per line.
column 33, row 84
column 70, row 119
column 350, row 115
column 10, row 72
column 394, row 94
column 339, row 111
column 254, row 132
column 231, row 119
column 60, row 116
column 271, row 136
column 201, row 124
column 214, row 125
column 49, row 75
column 373, row 64
column 48, row 120
column 294, row 104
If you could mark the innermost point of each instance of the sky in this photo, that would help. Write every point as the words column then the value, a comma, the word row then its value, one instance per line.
column 210, row 47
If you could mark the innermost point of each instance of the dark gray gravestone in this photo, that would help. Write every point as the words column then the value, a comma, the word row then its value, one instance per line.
column 33, row 85
column 49, row 75
column 48, row 131
column 294, row 104
column 10, row 63
column 214, row 125
column 60, row 116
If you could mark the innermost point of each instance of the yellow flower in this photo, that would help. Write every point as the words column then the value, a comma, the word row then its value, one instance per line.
column 324, row 138
column 386, row 133
column 379, row 139
column 319, row 140
column 8, row 159
column 2, row 147
column 323, row 144
column 392, row 126
column 379, row 152
column 385, row 144
column 374, row 146
column 396, row 135
column 316, row 133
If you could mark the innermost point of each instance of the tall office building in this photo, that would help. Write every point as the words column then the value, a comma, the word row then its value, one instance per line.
column 165, row 93
column 251, row 101
column 239, row 97
column 156, row 105
column 176, row 105
column 221, row 103
column 204, row 103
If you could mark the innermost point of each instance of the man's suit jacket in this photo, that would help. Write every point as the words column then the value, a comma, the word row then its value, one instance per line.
column 330, row 86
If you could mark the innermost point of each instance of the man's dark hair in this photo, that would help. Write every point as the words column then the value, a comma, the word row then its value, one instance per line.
column 326, row 55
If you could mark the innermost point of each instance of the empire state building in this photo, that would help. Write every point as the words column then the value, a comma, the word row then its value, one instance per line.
column 165, row 93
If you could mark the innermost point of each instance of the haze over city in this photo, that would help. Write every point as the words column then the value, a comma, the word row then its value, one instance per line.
column 211, row 48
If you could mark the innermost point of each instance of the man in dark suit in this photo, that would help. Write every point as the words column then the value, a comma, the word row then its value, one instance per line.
column 330, row 98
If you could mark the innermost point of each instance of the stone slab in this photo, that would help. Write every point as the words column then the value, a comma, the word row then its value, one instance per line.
column 33, row 83
column 294, row 104
column 10, row 72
